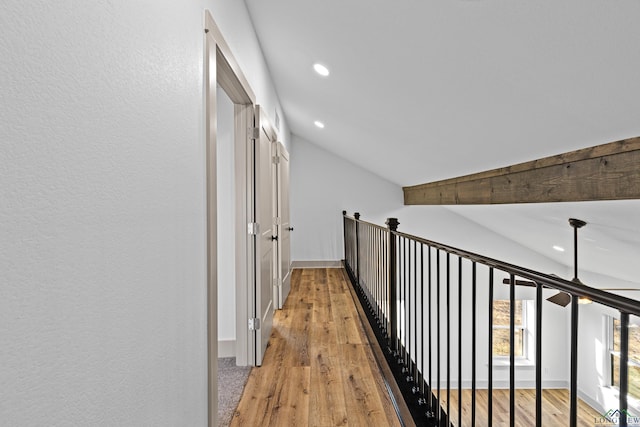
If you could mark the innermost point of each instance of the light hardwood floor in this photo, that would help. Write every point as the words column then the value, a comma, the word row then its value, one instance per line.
column 318, row 369
column 555, row 408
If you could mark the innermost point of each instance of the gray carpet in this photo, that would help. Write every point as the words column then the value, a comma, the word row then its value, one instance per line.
column 231, row 381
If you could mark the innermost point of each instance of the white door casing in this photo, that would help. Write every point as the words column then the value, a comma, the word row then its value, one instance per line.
column 212, row 209
column 222, row 68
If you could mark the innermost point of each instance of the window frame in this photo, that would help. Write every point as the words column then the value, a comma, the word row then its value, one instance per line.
column 611, row 353
column 524, row 328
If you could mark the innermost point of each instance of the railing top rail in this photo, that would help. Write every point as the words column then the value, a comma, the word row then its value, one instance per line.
column 618, row 302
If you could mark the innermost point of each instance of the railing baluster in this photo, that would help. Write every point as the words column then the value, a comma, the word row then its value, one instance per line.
column 387, row 283
column 431, row 394
column 412, row 297
column 344, row 236
column 573, row 398
column 378, row 269
column 369, row 270
column 385, row 279
column 438, row 330
column 512, row 352
column 448, row 338
column 407, row 307
column 347, row 242
column 403, row 298
column 381, row 271
column 414, row 372
column 370, row 276
column 376, row 276
column 624, row 368
column 421, row 383
column 412, row 313
column 363, row 262
column 400, row 302
column 373, row 271
column 406, row 304
column 369, row 263
column 392, row 224
column 473, row 343
column 459, row 341
column 357, row 249
column 410, row 325
column 490, row 358
column 539, row 301
column 573, row 411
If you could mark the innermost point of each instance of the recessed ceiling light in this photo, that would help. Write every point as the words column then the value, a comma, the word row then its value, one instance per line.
column 558, row 248
column 319, row 124
column 321, row 69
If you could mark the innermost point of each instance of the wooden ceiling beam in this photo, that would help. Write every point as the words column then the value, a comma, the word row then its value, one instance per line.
column 604, row 172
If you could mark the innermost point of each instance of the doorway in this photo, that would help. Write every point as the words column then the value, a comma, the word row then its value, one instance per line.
column 226, row 190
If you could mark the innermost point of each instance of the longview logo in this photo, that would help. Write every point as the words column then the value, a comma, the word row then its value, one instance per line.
column 613, row 416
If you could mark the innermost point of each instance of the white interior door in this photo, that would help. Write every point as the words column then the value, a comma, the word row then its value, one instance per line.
column 284, row 226
column 264, row 248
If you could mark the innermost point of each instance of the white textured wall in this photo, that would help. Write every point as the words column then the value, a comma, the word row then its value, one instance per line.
column 322, row 185
column 102, row 209
column 102, row 309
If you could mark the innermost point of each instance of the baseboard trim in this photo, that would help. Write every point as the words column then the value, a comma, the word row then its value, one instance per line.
column 591, row 401
column 607, row 399
column 316, row 264
column 227, row 348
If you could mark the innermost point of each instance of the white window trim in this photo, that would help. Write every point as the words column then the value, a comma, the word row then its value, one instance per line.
column 633, row 402
column 528, row 325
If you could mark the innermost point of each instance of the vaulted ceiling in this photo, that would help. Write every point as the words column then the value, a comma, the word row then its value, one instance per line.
column 421, row 91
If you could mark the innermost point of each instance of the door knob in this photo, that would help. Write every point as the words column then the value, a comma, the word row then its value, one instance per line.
column 274, row 237
column 290, row 228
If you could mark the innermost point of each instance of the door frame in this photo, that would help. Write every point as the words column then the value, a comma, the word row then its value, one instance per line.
column 221, row 68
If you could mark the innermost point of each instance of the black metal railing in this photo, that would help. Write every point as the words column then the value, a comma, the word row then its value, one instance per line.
column 422, row 297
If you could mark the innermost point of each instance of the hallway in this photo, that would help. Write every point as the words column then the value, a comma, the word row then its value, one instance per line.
column 318, row 369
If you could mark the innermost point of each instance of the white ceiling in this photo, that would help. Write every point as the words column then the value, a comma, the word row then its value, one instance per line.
column 427, row 90
column 609, row 244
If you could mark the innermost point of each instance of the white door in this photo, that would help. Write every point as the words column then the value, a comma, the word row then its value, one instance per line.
column 283, row 264
column 266, row 233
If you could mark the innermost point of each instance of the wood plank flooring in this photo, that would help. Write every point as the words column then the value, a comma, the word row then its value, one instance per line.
column 555, row 408
column 318, row 369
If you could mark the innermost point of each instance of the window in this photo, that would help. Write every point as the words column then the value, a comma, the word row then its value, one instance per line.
column 634, row 357
column 501, row 315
